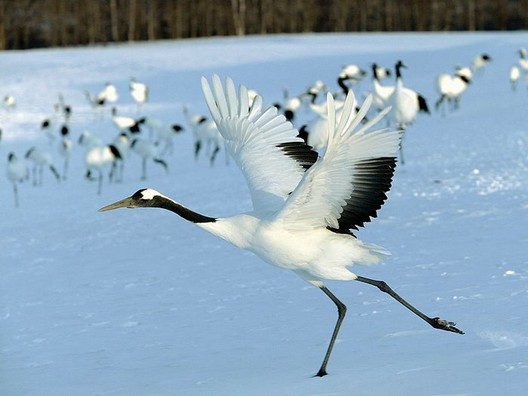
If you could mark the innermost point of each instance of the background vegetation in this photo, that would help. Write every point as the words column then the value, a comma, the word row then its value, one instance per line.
column 53, row 23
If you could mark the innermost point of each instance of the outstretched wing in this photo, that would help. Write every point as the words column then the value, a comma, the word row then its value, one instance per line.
column 263, row 143
column 347, row 186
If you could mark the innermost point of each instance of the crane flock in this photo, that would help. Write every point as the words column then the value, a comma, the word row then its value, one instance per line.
column 314, row 181
column 307, row 111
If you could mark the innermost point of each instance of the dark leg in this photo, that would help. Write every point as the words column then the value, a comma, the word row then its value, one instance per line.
column 341, row 311
column 100, row 182
column 162, row 163
column 15, row 189
column 402, row 160
column 197, row 147
column 55, row 172
column 437, row 323
column 213, row 155
column 144, row 169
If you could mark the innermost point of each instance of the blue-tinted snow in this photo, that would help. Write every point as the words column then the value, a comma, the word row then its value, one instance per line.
column 142, row 303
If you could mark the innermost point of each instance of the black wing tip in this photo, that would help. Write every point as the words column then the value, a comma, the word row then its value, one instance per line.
column 368, row 195
column 301, row 152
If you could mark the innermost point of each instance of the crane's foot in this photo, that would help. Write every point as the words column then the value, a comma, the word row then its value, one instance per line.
column 321, row 373
column 442, row 324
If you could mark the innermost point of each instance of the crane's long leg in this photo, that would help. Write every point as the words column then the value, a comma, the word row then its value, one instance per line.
column 144, row 169
column 100, row 182
column 437, row 323
column 15, row 189
column 341, row 311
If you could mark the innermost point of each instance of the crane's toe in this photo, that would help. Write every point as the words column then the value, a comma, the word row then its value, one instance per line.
column 442, row 324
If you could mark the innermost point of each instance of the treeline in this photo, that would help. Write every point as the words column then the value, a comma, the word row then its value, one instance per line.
column 53, row 23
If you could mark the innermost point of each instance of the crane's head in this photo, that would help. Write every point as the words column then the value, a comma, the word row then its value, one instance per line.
column 399, row 63
column 144, row 198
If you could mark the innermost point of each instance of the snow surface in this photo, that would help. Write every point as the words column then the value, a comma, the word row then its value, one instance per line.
column 139, row 302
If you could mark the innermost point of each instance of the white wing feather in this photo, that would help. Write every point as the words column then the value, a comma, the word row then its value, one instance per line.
column 256, row 139
column 350, row 165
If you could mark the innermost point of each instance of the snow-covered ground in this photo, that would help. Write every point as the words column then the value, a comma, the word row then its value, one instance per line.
column 142, row 303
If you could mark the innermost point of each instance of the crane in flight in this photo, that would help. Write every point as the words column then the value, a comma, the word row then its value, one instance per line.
column 304, row 206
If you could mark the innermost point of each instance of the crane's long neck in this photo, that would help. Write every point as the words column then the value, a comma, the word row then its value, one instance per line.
column 399, row 79
column 237, row 230
column 186, row 213
column 398, row 71
column 375, row 72
column 341, row 83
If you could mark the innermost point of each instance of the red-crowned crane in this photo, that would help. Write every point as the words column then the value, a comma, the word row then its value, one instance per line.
column 304, row 206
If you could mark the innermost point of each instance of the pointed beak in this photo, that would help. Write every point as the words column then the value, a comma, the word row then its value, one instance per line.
column 124, row 203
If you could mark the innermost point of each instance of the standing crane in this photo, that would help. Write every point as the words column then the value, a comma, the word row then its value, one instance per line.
column 304, row 206
column 405, row 103
column 17, row 172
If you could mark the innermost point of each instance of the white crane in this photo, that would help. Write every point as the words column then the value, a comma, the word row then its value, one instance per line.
column 381, row 72
column 405, row 104
column 205, row 133
column 9, row 102
column 480, row 61
column 65, row 107
column 515, row 73
column 380, row 93
column 49, row 123
column 317, row 129
column 65, row 148
column 451, row 87
column 352, row 73
column 122, row 143
column 163, row 133
column 88, row 139
column 108, row 93
column 98, row 158
column 138, row 91
column 125, row 123
column 520, row 69
column 17, row 172
column 40, row 160
column 304, row 206
column 147, row 150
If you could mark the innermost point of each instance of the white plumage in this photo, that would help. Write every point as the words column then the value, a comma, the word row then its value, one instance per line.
column 108, row 93
column 523, row 61
column 17, row 172
column 125, row 123
column 317, row 128
column 88, row 139
column 451, row 87
column 100, row 158
column 479, row 61
column 404, row 102
column 65, row 148
column 380, row 93
column 138, row 91
column 304, row 206
column 515, row 73
column 147, row 151
column 163, row 134
column 41, row 159
column 9, row 102
column 206, row 135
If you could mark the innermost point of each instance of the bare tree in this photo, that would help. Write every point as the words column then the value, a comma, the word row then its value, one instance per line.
column 152, row 26
column 238, row 8
column 114, row 20
column 38, row 23
column 3, row 38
